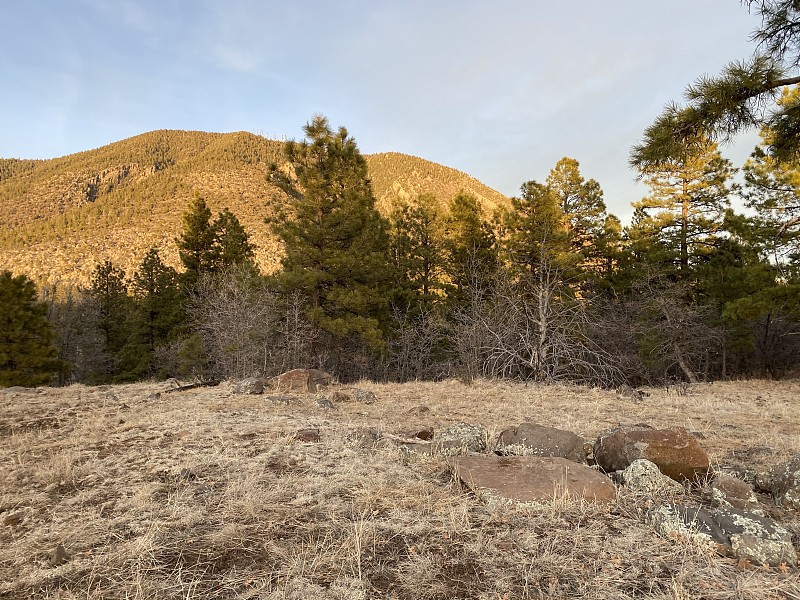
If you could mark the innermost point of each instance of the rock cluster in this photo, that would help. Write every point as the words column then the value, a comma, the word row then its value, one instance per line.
column 668, row 468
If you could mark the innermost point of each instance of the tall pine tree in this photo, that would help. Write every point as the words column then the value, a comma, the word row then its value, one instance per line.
column 335, row 241
column 28, row 356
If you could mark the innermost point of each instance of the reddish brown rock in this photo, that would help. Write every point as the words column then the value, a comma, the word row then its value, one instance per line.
column 530, row 439
column 303, row 380
column 730, row 491
column 676, row 452
column 532, row 478
column 307, row 435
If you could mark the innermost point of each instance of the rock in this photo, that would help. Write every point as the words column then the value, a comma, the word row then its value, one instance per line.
column 643, row 477
column 364, row 396
column 461, row 438
column 58, row 556
column 303, row 380
column 676, row 453
column 531, row 478
column 784, row 484
column 251, row 385
column 626, row 391
column 324, row 403
column 16, row 389
column 283, row 400
column 365, row 437
column 730, row 491
column 422, row 433
column 13, row 519
column 728, row 531
column 529, row 439
column 339, row 396
column 307, row 435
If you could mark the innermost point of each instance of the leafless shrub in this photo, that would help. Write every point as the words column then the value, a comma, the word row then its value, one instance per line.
column 531, row 328
column 415, row 349
column 237, row 316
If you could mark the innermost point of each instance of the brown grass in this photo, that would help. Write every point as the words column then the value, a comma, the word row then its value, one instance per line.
column 204, row 494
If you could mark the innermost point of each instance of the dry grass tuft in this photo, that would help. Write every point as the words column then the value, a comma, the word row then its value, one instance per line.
column 205, row 494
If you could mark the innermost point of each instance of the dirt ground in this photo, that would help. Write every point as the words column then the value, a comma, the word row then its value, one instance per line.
column 133, row 492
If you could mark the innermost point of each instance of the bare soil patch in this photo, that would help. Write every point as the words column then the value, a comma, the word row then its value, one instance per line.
column 208, row 494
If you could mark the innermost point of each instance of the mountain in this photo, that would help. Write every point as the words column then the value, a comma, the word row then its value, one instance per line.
column 61, row 217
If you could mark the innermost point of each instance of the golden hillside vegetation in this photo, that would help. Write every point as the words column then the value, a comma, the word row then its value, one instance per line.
column 60, row 217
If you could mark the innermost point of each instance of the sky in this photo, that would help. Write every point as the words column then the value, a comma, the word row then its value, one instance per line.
column 500, row 90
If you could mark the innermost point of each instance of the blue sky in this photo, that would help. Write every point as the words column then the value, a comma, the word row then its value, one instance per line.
column 500, row 90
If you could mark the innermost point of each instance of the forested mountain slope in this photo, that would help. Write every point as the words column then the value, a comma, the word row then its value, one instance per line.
column 60, row 217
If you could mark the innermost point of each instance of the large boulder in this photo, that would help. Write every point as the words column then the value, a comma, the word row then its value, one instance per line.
column 251, row 385
column 784, row 484
column 461, row 438
column 301, row 380
column 530, row 439
column 643, row 477
column 728, row 531
column 676, row 452
column 726, row 490
column 531, row 478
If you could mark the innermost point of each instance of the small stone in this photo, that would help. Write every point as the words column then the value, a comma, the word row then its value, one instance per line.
column 324, row 403
column 13, row 519
column 307, row 435
column 251, row 385
column 530, row 439
column 58, row 556
column 643, row 477
column 364, row 396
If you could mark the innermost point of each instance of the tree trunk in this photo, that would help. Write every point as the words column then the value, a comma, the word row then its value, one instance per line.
column 687, row 370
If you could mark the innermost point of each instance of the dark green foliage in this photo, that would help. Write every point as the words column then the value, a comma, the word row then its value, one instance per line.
column 231, row 245
column 28, row 356
column 156, row 314
column 470, row 250
column 195, row 245
column 417, row 249
column 109, row 293
column 335, row 242
column 741, row 97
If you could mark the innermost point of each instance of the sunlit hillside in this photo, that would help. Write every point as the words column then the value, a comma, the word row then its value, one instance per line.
column 60, row 217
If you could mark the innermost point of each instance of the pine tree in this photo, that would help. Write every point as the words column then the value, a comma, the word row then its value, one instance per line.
column 686, row 209
column 109, row 294
column 741, row 97
column 417, row 248
column 231, row 244
column 582, row 205
column 334, row 240
column 195, row 245
column 28, row 356
column 156, row 313
column 471, row 254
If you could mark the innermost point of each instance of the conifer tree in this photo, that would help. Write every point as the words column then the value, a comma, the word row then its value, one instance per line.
column 417, row 249
column 109, row 292
column 157, row 312
column 686, row 209
column 537, row 235
column 195, row 245
column 335, row 241
column 471, row 256
column 581, row 203
column 28, row 356
column 231, row 244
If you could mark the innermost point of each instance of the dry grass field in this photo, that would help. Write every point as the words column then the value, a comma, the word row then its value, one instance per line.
column 208, row 494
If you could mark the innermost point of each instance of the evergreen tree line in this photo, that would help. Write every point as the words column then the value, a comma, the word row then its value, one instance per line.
column 551, row 288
